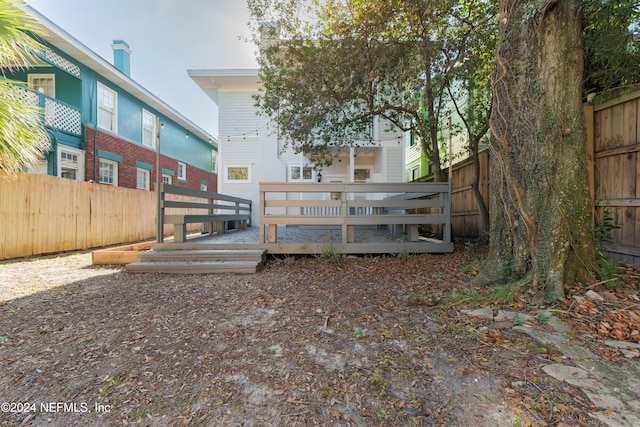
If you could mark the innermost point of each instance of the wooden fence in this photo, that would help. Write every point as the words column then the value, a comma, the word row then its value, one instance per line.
column 614, row 132
column 613, row 144
column 42, row 214
column 465, row 216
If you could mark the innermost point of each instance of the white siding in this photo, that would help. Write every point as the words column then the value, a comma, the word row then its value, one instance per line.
column 395, row 165
column 237, row 115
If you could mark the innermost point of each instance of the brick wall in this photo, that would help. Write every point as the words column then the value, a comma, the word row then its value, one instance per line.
column 130, row 152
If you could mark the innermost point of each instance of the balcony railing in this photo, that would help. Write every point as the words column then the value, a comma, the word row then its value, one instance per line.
column 57, row 114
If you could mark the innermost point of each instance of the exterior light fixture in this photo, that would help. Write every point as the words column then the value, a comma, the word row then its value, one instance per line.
column 319, row 177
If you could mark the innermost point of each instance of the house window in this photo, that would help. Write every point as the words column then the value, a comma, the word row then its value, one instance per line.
column 107, row 108
column 108, row 172
column 167, row 179
column 71, row 163
column 142, row 179
column 412, row 138
column 304, row 173
column 214, row 161
column 148, row 129
column 415, row 173
column 237, row 174
column 182, row 171
column 43, row 83
column 361, row 175
column 204, row 187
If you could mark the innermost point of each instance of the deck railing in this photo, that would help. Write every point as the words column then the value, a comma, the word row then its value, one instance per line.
column 214, row 211
column 359, row 205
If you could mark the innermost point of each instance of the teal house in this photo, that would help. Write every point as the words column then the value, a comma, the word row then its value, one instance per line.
column 104, row 126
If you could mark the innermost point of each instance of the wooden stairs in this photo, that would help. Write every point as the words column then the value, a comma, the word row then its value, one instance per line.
column 199, row 261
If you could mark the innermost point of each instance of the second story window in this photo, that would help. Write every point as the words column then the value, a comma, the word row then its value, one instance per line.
column 148, row 129
column 107, row 108
column 214, row 161
column 182, row 171
column 43, row 83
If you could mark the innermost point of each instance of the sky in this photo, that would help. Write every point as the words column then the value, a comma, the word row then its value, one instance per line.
column 166, row 38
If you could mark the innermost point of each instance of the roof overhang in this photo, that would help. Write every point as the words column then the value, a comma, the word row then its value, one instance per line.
column 211, row 81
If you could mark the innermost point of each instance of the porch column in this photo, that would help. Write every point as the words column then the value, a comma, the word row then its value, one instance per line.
column 352, row 166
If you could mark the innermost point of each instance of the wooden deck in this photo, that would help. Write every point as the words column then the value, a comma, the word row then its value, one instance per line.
column 314, row 219
column 312, row 241
column 354, row 218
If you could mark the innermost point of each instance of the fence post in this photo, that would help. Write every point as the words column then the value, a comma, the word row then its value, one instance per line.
column 446, row 233
column 261, row 233
column 343, row 208
column 159, row 189
column 590, row 122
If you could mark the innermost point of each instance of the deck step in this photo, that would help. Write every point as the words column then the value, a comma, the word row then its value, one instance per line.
column 199, row 261
column 203, row 255
column 193, row 267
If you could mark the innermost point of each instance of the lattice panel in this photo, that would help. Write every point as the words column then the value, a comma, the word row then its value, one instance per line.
column 62, row 117
column 61, row 62
column 30, row 97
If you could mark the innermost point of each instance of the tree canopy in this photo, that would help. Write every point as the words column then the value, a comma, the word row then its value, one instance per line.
column 329, row 70
column 23, row 139
column 611, row 46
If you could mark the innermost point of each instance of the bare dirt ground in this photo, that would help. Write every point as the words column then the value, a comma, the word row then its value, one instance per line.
column 363, row 341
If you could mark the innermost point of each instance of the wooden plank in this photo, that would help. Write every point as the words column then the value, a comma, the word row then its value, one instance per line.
column 628, row 232
column 597, row 132
column 5, row 203
column 14, row 198
column 183, row 219
column 605, row 129
column 618, row 202
column 590, row 148
column 207, row 206
column 627, row 250
column 630, row 131
column 355, row 187
column 173, row 189
column 618, row 151
column 618, row 100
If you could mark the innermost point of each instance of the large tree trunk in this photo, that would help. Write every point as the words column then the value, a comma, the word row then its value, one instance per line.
column 541, row 216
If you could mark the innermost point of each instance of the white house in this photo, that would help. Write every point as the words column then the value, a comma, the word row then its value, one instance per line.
column 250, row 151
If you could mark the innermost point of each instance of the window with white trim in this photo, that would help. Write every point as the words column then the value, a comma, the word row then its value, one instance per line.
column 204, row 187
column 182, row 171
column 70, row 163
column 108, row 172
column 142, row 179
column 415, row 173
column 148, row 129
column 214, row 161
column 300, row 173
column 167, row 179
column 43, row 83
column 237, row 174
column 107, row 108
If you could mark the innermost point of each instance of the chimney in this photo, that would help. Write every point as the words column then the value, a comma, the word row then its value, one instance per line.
column 121, row 56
